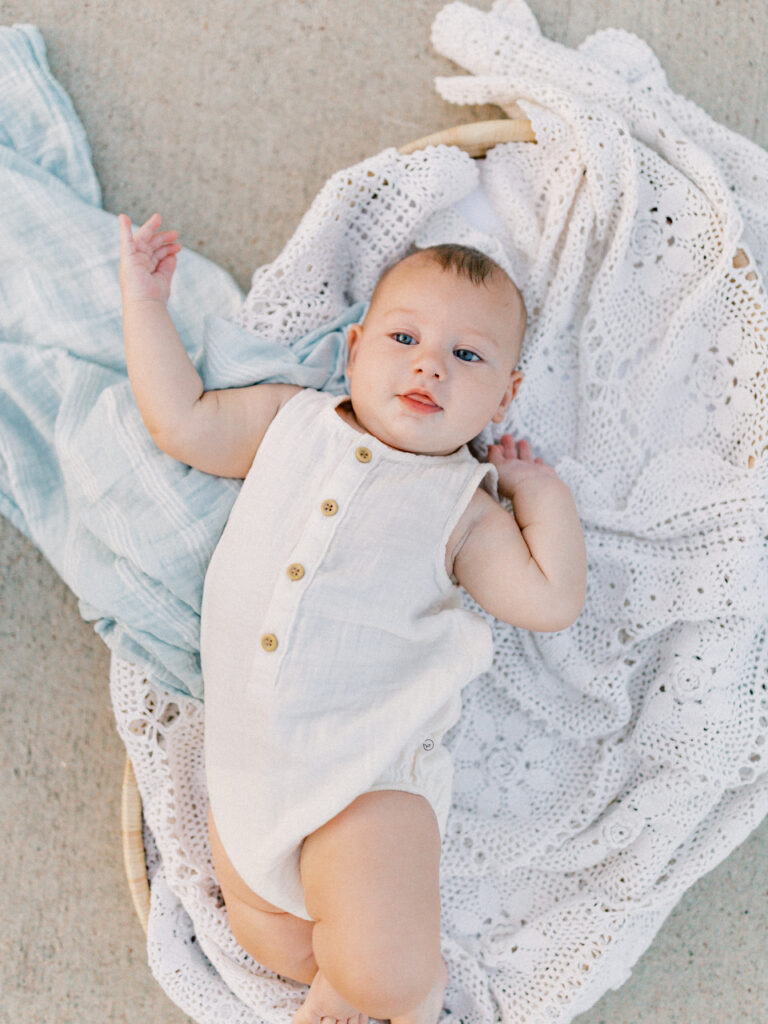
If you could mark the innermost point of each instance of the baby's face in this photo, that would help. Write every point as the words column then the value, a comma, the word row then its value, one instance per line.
column 434, row 361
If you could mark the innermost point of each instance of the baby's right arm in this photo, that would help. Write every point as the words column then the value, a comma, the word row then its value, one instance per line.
column 215, row 431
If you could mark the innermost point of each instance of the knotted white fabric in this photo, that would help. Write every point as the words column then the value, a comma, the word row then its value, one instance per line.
column 600, row 771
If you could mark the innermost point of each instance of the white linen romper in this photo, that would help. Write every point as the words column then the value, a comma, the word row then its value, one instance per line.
column 334, row 645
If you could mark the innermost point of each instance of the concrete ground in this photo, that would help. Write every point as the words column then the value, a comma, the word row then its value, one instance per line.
column 228, row 117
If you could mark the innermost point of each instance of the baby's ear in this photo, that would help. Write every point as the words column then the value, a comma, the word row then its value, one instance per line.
column 515, row 380
column 354, row 332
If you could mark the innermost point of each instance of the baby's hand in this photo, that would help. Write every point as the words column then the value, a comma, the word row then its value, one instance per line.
column 147, row 260
column 515, row 464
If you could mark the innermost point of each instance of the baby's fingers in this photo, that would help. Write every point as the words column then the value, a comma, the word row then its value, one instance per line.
column 126, row 236
column 162, row 239
column 521, row 450
column 148, row 228
column 145, row 238
column 166, row 250
column 508, row 446
column 524, row 451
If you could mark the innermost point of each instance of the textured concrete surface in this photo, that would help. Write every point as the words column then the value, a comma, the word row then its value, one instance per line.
column 227, row 118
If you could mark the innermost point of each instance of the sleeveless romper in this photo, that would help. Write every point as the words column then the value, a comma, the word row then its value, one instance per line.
column 334, row 645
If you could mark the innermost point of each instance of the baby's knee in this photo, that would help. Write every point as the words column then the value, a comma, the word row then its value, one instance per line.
column 381, row 977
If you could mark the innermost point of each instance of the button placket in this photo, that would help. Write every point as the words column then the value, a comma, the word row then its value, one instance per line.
column 324, row 518
column 345, row 481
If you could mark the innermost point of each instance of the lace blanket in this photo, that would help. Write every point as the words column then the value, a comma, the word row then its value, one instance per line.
column 601, row 770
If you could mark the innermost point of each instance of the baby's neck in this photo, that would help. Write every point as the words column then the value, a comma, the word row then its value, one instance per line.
column 347, row 413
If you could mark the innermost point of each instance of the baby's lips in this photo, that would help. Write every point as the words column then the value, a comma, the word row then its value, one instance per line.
column 420, row 397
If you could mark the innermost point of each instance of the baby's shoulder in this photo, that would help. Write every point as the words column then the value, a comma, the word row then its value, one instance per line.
column 278, row 395
column 284, row 392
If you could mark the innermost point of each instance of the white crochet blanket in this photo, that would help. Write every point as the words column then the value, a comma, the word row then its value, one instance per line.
column 602, row 770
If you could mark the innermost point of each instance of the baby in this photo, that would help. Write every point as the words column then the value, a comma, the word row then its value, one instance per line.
column 334, row 645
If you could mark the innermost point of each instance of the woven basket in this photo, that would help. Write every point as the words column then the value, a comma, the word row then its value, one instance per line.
column 475, row 139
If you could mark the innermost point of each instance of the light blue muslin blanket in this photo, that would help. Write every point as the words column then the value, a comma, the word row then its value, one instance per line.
column 128, row 529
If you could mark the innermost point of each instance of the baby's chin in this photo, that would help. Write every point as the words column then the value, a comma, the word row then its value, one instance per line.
column 404, row 441
column 414, row 436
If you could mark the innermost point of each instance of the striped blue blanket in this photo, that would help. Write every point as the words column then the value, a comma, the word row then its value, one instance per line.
column 128, row 529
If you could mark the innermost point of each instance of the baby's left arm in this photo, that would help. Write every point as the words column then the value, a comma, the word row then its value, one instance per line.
column 529, row 569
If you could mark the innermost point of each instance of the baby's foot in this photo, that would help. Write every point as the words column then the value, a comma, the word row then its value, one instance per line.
column 428, row 1011
column 323, row 1001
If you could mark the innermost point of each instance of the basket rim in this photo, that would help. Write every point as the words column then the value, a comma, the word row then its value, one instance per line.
column 475, row 138
column 132, row 835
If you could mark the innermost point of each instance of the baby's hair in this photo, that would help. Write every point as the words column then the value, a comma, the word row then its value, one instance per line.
column 466, row 261
column 463, row 259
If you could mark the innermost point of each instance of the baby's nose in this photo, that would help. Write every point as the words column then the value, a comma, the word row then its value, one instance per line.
column 430, row 363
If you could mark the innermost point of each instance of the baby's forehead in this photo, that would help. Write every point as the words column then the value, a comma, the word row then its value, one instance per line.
column 501, row 313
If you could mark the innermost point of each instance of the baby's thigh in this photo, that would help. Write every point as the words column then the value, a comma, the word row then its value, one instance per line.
column 372, row 874
column 276, row 939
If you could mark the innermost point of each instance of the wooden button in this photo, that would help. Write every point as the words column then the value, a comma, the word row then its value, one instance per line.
column 269, row 642
column 295, row 571
column 363, row 454
column 329, row 507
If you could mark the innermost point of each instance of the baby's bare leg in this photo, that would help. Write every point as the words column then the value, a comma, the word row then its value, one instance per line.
column 371, row 881
column 276, row 939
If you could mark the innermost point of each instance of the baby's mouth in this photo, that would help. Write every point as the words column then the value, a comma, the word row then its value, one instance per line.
column 420, row 401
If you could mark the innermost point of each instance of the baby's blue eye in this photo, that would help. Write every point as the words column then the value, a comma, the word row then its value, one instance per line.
column 403, row 338
column 466, row 355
